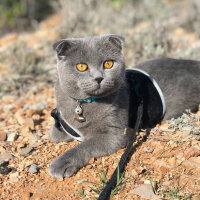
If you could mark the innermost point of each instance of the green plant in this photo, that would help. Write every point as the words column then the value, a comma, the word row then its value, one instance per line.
column 188, row 197
column 20, row 14
column 81, row 192
column 154, row 185
column 104, row 181
column 175, row 193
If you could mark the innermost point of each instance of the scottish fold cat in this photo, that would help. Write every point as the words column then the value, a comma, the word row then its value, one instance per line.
column 94, row 101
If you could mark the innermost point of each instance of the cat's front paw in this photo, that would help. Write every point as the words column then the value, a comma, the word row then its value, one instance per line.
column 65, row 165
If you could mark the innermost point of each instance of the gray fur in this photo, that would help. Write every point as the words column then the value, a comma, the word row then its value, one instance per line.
column 179, row 81
column 107, row 118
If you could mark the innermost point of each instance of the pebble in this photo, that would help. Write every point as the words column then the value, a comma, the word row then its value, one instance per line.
column 33, row 168
column 12, row 137
column 191, row 152
column 14, row 177
column 147, row 182
column 6, row 156
column 26, row 107
column 193, row 162
column 39, row 106
column 3, row 136
column 166, row 183
column 33, row 138
column 172, row 161
column 133, row 173
column 37, row 144
column 45, row 137
column 87, row 193
column 3, row 167
column 82, row 181
column 21, row 166
column 8, row 107
column 144, row 191
column 26, row 151
column 187, row 128
column 148, row 149
column 185, row 133
column 163, row 170
column 180, row 155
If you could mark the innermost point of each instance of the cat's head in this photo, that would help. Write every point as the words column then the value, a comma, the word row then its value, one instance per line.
column 91, row 66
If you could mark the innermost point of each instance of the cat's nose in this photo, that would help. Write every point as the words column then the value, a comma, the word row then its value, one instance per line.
column 98, row 79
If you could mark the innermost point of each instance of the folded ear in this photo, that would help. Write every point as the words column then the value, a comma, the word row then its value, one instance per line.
column 62, row 47
column 116, row 40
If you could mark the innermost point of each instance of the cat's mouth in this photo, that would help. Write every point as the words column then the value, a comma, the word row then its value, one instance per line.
column 102, row 89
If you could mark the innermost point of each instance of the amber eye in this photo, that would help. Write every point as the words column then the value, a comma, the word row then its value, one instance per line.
column 108, row 64
column 81, row 67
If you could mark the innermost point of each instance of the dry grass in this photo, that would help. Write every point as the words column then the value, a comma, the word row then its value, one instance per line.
column 148, row 26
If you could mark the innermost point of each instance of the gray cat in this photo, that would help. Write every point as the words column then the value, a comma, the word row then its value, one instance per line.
column 94, row 97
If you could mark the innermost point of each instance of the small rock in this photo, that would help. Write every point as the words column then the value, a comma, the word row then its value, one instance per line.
column 148, row 149
column 26, row 107
column 37, row 144
column 26, row 151
column 12, row 137
column 185, row 133
column 6, row 156
column 21, row 166
column 14, row 177
column 195, row 131
column 134, row 173
column 87, row 193
column 163, row 170
column 198, row 137
column 28, row 122
column 82, row 181
column 33, row 169
column 147, row 182
column 3, row 136
column 4, row 168
column 144, row 191
column 166, row 183
column 40, row 188
column 8, row 107
column 187, row 128
column 45, row 137
column 180, row 155
column 191, row 152
column 39, row 106
column 27, row 163
column 193, row 162
column 172, row 161
column 33, row 138
column 20, row 138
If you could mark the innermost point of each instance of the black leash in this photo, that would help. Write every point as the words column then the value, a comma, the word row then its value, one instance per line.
column 105, row 194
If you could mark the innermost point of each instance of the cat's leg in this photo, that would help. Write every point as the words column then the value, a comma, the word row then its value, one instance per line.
column 58, row 136
column 72, row 160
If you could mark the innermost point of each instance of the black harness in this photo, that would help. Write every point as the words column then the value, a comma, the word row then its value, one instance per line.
column 61, row 125
column 147, row 108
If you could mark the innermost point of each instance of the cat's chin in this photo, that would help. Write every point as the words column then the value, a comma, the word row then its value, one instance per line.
column 100, row 92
